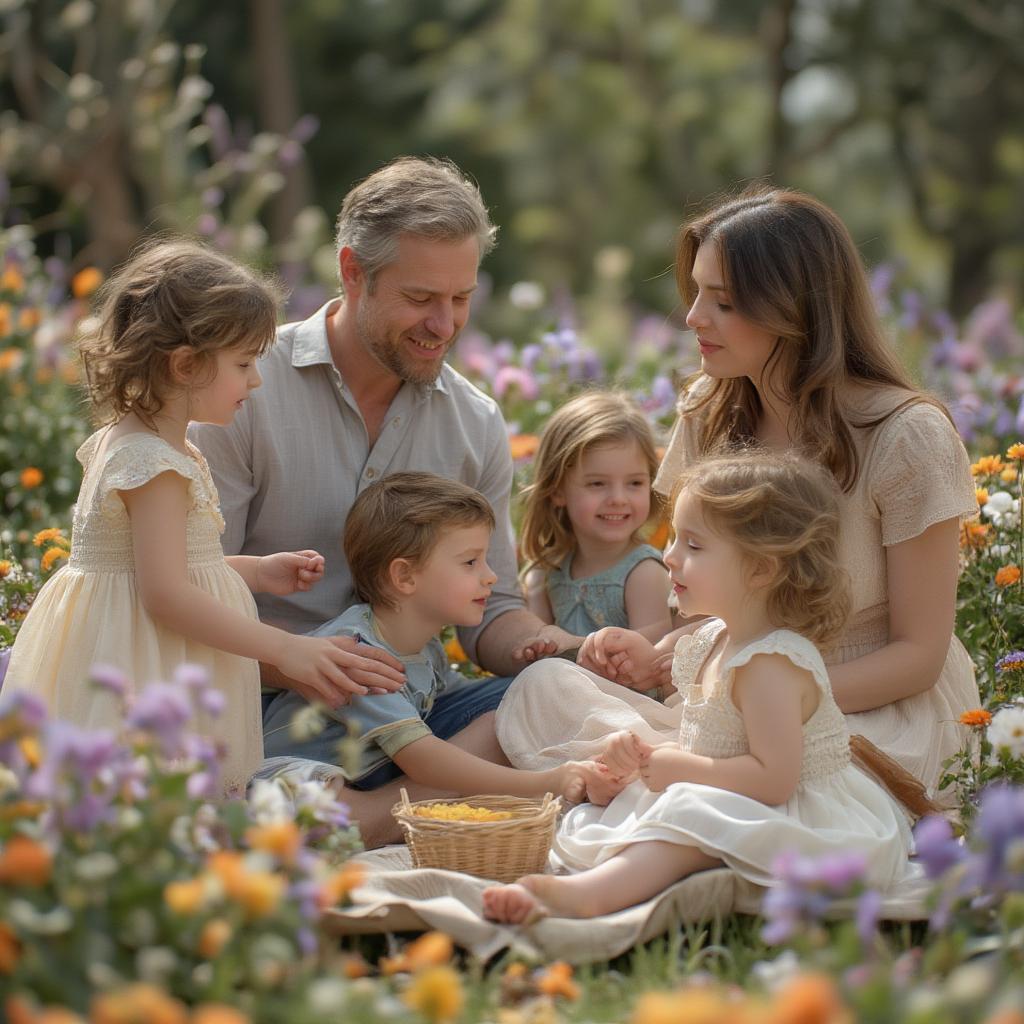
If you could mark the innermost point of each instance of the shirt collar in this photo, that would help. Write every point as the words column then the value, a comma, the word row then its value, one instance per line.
column 311, row 348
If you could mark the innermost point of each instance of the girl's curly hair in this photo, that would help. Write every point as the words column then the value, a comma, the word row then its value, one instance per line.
column 170, row 293
column 782, row 511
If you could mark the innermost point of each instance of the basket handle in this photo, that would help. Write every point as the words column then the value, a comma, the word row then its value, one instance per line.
column 406, row 806
column 548, row 798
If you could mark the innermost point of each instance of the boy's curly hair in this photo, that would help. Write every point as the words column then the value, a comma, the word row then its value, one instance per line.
column 782, row 511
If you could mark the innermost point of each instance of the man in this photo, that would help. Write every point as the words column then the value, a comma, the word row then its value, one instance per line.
column 360, row 390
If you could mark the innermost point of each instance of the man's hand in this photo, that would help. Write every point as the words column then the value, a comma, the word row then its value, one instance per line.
column 548, row 640
column 287, row 571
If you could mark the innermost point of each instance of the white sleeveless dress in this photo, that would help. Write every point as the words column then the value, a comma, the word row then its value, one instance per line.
column 835, row 809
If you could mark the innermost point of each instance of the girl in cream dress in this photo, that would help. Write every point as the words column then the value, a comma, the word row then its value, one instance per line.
column 761, row 763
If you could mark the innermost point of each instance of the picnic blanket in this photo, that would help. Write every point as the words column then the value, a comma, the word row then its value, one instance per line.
column 397, row 897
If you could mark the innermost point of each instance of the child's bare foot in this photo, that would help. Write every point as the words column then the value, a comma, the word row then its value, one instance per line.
column 537, row 896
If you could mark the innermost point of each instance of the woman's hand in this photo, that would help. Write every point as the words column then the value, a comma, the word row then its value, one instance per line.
column 287, row 571
column 602, row 786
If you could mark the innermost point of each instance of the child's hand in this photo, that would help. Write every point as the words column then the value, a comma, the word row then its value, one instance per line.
column 333, row 669
column 622, row 655
column 548, row 640
column 287, row 571
column 602, row 786
column 623, row 753
column 663, row 766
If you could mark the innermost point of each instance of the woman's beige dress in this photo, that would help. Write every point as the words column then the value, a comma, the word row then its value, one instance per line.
column 89, row 612
column 914, row 472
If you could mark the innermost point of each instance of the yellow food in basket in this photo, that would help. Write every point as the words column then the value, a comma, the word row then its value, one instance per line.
column 460, row 812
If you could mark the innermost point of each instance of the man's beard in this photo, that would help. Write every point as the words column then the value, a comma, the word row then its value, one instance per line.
column 391, row 357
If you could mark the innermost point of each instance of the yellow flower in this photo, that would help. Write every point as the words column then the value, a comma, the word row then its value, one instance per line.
column 218, row 1013
column 281, row 838
column 10, row 359
column 185, row 897
column 51, row 556
column 29, row 747
column 52, row 533
column 137, row 1004
column 262, row 892
column 977, row 716
column 436, row 993
column 981, row 493
column 5, row 568
column 1008, row 475
column 987, row 465
column 31, row 477
column 85, row 282
column 557, row 981
column 23, row 861
column 1016, row 451
column 213, row 938
column 430, row 950
column 12, row 279
column 5, row 318
column 1007, row 576
column 460, row 812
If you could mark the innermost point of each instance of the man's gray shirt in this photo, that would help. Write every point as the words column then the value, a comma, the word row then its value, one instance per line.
column 297, row 455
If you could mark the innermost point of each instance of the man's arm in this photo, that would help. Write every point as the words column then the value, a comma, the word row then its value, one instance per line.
column 504, row 635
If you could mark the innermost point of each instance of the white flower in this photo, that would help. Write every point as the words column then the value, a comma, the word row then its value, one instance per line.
column 998, row 503
column 327, row 996
column 268, row 802
column 96, row 866
column 526, row 295
column 307, row 722
column 1006, row 732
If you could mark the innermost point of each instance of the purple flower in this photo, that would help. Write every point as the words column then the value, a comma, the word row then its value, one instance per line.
column 5, row 657
column 999, row 824
column 27, row 710
column 936, row 848
column 110, row 678
column 513, row 376
column 1012, row 662
column 212, row 702
column 162, row 710
column 869, row 908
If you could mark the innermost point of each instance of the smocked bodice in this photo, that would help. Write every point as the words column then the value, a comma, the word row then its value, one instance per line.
column 712, row 726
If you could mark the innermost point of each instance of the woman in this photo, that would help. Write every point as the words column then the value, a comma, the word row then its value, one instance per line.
column 793, row 356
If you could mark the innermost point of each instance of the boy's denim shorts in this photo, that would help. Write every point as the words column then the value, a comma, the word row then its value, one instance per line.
column 450, row 714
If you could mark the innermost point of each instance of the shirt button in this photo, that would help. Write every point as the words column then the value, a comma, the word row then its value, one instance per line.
column 371, row 473
column 397, row 421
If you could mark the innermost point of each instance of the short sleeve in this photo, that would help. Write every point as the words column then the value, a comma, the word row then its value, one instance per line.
column 683, row 447
column 798, row 649
column 136, row 461
column 918, row 473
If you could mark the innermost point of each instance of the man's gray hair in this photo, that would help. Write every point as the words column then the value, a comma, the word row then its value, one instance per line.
column 420, row 196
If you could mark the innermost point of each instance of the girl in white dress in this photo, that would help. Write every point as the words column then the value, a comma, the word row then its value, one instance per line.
column 762, row 761
column 147, row 586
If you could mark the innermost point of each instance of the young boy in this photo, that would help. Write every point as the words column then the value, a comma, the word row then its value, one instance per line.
column 416, row 546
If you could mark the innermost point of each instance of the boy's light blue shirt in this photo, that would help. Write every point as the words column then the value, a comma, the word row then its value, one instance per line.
column 388, row 722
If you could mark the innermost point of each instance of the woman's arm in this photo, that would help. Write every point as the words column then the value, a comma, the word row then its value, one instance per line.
column 775, row 698
column 646, row 596
column 158, row 511
column 922, row 574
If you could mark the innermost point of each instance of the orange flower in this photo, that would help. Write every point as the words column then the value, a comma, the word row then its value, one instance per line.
column 85, row 282
column 12, row 279
column 10, row 358
column 29, row 747
column 218, row 1013
column 978, row 716
column 981, row 493
column 660, row 534
column 185, row 897
column 436, row 993
column 53, row 533
column 340, row 884
column 56, row 1015
column 975, row 535
column 1008, row 475
column 1007, row 1016
column 5, row 318
column 51, row 556
column 523, row 446
column 28, row 318
column 213, row 938
column 261, row 892
column 136, row 1004
column 557, row 981
column 25, row 862
column 5, row 568
column 227, row 867
column 987, row 465
column 1016, row 451
column 31, row 477
column 1007, row 576
column 453, row 649
column 10, row 949
column 429, row 950
column 693, row 1005
column 809, row 999
column 354, row 965
column 281, row 838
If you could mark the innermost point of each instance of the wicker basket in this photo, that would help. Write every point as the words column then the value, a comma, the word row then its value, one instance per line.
column 499, row 850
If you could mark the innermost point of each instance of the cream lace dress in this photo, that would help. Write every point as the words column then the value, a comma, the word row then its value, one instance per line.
column 835, row 808
column 89, row 612
column 914, row 472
